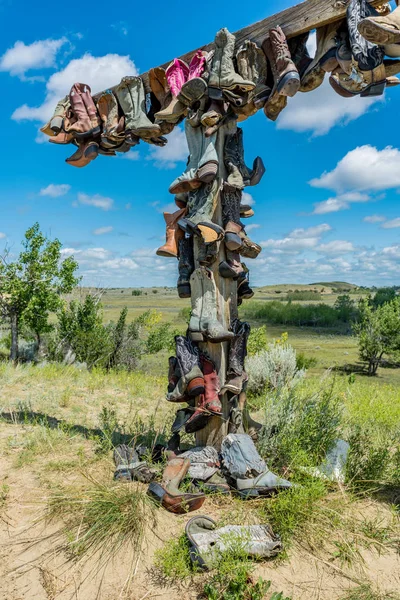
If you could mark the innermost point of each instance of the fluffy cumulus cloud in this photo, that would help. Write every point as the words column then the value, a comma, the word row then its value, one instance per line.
column 24, row 57
column 374, row 219
column 341, row 202
column 336, row 247
column 103, row 230
column 392, row 224
column 55, row 191
column 99, row 72
column 362, row 169
column 319, row 111
column 175, row 151
column 297, row 240
column 97, row 201
column 248, row 199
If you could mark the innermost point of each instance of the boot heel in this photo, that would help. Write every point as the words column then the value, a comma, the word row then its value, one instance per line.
column 233, row 241
column 196, row 336
column 56, row 124
column 289, row 85
column 374, row 90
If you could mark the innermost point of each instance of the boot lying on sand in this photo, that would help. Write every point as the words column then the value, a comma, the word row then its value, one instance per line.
column 207, row 542
column 169, row 495
column 129, row 467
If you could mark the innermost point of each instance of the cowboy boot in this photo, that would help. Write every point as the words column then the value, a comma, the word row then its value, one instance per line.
column 173, row 235
column 236, row 375
column 252, row 65
column 363, row 83
column 201, row 208
column 169, row 495
column 286, row 79
column 192, row 381
column 248, row 249
column 204, row 324
column 132, row 98
column 85, row 124
column 222, row 74
column 299, row 52
column 325, row 59
column 203, row 161
column 231, row 198
column 244, row 291
column 186, row 266
column 56, row 123
column 62, row 138
column 129, row 467
column 369, row 56
column 381, row 29
column 177, row 74
column 209, row 402
column 159, row 87
column 215, row 112
column 230, row 268
column 181, row 418
column 113, row 132
column 173, row 374
column 234, row 161
column 246, row 211
column 195, row 87
column 87, row 151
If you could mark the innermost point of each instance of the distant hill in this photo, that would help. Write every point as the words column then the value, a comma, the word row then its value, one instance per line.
column 337, row 285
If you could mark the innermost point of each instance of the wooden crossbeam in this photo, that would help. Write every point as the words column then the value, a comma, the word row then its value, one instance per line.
column 295, row 20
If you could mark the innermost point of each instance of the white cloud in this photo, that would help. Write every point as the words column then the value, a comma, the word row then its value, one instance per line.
column 315, row 231
column 394, row 223
column 248, row 199
column 98, row 201
column 341, row 202
column 102, row 230
column 374, row 219
column 319, row 111
column 2, row 235
column 131, row 155
column 55, row 191
column 39, row 55
column 252, row 226
column 298, row 240
column 364, row 168
column 336, row 247
column 98, row 72
column 175, row 151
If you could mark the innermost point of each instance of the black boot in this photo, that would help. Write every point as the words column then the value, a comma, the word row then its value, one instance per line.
column 231, row 198
column 237, row 353
column 240, row 174
column 299, row 52
column 186, row 266
column 192, row 380
column 369, row 56
column 244, row 290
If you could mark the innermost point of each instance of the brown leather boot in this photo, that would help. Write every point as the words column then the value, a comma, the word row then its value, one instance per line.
column 62, row 138
column 381, row 30
column 286, row 79
column 87, row 151
column 87, row 120
column 173, row 234
column 169, row 495
column 208, row 402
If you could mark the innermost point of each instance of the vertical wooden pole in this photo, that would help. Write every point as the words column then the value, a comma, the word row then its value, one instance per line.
column 217, row 427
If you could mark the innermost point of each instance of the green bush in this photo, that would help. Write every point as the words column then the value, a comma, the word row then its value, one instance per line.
column 304, row 295
column 161, row 337
column 137, row 293
column 304, row 362
column 280, row 313
column 257, row 340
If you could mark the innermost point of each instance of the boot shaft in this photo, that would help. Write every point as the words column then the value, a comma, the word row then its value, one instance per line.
column 186, row 258
column 108, row 110
column 238, row 347
column 281, row 59
column 78, row 107
column 177, row 74
column 187, row 355
column 174, row 472
column 231, row 198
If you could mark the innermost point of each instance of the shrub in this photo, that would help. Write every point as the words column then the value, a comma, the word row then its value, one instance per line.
column 281, row 313
column 304, row 295
column 257, row 340
column 137, row 292
column 304, row 362
column 274, row 368
column 161, row 337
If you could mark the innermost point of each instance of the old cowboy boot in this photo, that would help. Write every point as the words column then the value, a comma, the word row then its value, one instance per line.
column 113, row 132
column 325, row 59
column 231, row 197
column 195, row 86
column 131, row 96
column 214, row 114
column 129, row 467
column 87, row 151
column 209, row 402
column 159, row 87
column 169, row 495
column 191, row 381
column 204, row 324
column 252, row 65
column 381, row 29
column 203, row 161
column 236, row 376
column 244, row 291
column 186, row 266
column 87, row 121
column 177, row 74
column 173, row 373
column 56, row 123
column 246, row 211
column 222, row 73
column 368, row 56
column 230, row 268
column 240, row 174
column 363, row 83
column 248, row 249
column 201, row 208
column 173, row 235
column 299, row 52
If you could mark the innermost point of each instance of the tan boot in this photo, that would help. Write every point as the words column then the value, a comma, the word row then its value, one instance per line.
column 87, row 151
column 173, row 235
column 363, row 83
column 383, row 29
column 168, row 493
column 325, row 59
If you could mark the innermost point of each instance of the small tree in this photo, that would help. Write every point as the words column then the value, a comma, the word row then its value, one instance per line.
column 31, row 286
column 345, row 308
column 378, row 332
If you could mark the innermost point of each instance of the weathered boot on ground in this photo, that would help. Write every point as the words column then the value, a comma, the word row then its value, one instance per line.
column 286, row 79
column 86, row 152
column 207, row 542
column 252, row 65
column 222, row 74
column 173, row 234
column 192, row 380
column 369, row 56
column 203, row 161
column 204, row 324
column 231, row 197
column 325, row 59
column 132, row 98
column 261, row 485
column 177, row 74
column 87, row 120
column 169, row 495
column 240, row 175
column 186, row 266
column 129, row 467
column 237, row 353
column 113, row 133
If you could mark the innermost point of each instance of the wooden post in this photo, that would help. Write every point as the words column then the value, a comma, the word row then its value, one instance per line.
column 217, row 428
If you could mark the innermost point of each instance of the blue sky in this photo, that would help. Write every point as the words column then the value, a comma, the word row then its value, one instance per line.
column 326, row 209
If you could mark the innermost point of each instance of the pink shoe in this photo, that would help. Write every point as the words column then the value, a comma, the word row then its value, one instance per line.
column 177, row 74
column 197, row 64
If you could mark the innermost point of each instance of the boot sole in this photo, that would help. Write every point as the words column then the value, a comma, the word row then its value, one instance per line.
column 147, row 132
column 378, row 34
column 233, row 241
column 208, row 172
column 209, row 233
column 192, row 91
column 166, row 253
column 196, row 387
column 184, row 291
column 289, row 85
